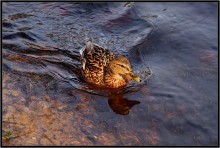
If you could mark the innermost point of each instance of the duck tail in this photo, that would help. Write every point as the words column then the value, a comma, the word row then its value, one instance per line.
column 90, row 39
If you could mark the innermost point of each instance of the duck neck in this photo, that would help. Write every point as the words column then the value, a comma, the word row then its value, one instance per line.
column 114, row 81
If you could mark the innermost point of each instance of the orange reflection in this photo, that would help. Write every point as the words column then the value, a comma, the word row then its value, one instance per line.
column 121, row 105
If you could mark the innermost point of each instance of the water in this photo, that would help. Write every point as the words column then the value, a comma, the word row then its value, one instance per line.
column 46, row 102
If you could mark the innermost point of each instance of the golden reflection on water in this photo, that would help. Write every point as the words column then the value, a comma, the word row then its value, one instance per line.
column 121, row 105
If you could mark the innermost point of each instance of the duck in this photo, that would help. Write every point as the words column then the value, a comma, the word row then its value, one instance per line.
column 103, row 68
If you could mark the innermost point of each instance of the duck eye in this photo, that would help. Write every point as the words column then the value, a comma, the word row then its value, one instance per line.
column 124, row 67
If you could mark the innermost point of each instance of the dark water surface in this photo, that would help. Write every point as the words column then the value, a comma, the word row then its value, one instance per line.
column 45, row 101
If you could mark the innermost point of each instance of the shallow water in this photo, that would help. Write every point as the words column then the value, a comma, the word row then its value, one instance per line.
column 45, row 101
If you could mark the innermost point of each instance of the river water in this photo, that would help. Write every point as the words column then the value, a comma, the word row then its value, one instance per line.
column 45, row 101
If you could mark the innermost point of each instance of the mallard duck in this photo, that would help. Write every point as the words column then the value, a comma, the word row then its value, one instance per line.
column 103, row 68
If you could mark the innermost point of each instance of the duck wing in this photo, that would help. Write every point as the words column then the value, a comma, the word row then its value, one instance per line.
column 95, row 55
column 95, row 60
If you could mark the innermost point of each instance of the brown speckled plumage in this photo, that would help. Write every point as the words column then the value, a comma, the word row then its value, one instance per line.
column 102, row 67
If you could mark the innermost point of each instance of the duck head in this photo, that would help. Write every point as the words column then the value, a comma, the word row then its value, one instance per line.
column 121, row 67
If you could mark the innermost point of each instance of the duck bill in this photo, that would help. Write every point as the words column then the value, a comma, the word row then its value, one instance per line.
column 135, row 78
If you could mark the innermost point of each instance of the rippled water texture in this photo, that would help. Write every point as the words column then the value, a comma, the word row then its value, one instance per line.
column 46, row 102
